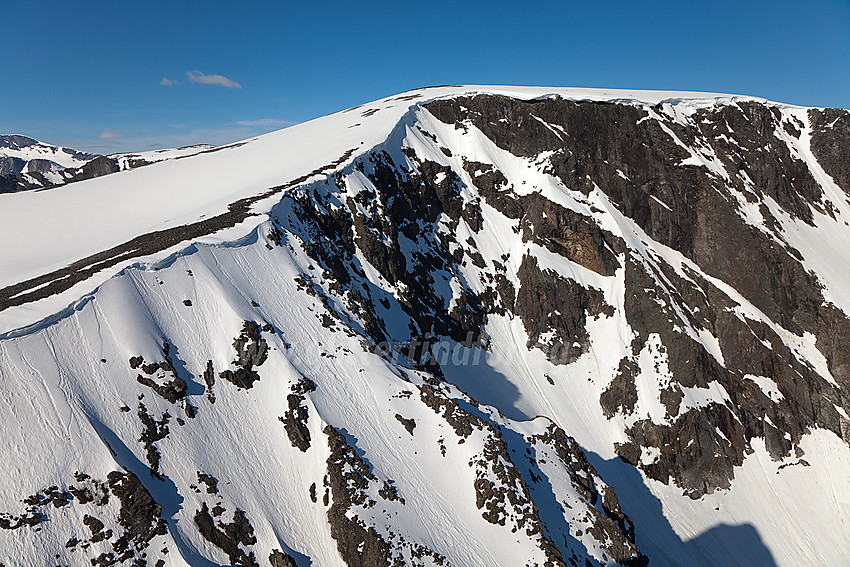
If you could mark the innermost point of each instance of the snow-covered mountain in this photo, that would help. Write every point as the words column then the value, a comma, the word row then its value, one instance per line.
column 22, row 154
column 27, row 164
column 459, row 326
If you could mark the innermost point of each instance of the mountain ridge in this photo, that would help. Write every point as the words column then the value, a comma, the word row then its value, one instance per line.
column 688, row 99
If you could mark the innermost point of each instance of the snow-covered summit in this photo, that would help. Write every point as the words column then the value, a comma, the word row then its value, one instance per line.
column 107, row 212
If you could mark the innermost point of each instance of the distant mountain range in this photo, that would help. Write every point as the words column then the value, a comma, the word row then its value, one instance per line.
column 26, row 163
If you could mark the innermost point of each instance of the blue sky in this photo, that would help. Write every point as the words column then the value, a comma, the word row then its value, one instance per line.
column 89, row 74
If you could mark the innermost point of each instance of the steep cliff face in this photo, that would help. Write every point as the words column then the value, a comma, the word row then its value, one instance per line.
column 515, row 327
column 720, row 186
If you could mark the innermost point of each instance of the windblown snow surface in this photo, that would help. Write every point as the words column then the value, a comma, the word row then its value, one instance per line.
column 204, row 385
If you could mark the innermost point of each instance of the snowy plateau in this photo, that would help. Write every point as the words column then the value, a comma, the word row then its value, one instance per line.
column 466, row 326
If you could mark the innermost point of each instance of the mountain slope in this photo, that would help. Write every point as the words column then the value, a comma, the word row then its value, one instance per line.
column 459, row 326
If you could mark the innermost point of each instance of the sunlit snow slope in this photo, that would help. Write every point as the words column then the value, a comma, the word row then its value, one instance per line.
column 457, row 326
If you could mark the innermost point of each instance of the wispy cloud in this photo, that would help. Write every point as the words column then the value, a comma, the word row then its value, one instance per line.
column 269, row 123
column 174, row 136
column 220, row 80
column 129, row 142
column 166, row 82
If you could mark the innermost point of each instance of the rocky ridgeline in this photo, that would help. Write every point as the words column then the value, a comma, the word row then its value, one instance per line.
column 639, row 166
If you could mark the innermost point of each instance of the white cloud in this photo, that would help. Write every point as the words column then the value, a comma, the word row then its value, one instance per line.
column 220, row 80
column 269, row 123
column 109, row 134
column 166, row 82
